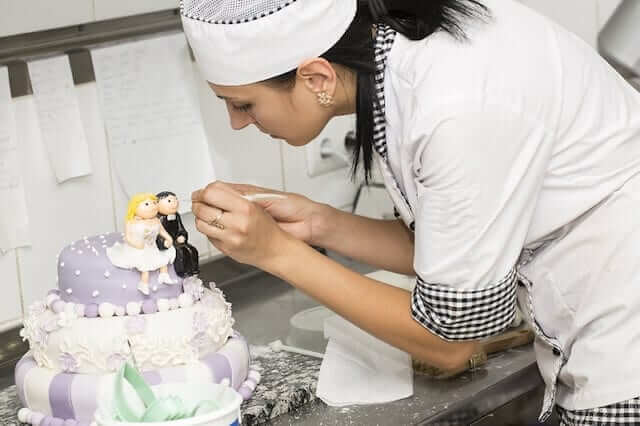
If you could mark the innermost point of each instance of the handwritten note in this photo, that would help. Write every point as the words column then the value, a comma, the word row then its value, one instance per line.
column 149, row 103
column 14, row 223
column 59, row 117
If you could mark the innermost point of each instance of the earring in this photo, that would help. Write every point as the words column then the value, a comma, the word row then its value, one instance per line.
column 324, row 99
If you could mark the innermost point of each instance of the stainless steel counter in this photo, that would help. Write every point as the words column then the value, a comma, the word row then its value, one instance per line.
column 262, row 306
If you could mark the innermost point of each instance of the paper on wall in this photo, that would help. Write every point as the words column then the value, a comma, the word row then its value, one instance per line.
column 149, row 103
column 59, row 116
column 14, row 223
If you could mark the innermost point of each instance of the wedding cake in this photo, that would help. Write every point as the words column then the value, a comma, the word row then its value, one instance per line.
column 100, row 316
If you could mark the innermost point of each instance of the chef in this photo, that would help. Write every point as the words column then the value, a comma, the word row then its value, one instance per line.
column 510, row 149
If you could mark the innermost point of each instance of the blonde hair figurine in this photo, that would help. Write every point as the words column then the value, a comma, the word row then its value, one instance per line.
column 139, row 250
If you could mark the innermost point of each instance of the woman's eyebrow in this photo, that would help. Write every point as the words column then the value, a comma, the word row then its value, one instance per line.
column 226, row 98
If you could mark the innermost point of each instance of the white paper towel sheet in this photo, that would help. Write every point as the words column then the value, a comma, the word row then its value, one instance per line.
column 359, row 368
column 59, row 117
column 148, row 101
column 14, row 223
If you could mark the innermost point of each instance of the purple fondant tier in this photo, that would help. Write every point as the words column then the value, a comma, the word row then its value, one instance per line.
column 86, row 276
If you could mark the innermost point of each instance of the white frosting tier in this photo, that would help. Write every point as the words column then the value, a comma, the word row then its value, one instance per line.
column 53, row 398
column 65, row 342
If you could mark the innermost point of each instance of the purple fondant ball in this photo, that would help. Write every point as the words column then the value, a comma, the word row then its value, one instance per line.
column 46, row 421
column 91, row 310
column 35, row 418
column 245, row 392
column 57, row 422
column 54, row 291
column 149, row 307
column 57, row 306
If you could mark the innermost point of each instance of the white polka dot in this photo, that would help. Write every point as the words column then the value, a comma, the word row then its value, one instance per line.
column 155, row 288
column 107, row 274
column 62, row 264
column 124, row 286
column 77, row 272
column 95, row 293
column 69, row 291
column 24, row 414
column 79, row 251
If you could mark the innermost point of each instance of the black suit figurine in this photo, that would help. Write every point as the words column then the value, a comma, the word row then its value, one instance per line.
column 186, row 262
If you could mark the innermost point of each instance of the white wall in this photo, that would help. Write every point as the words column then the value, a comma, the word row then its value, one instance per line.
column 25, row 16
column 583, row 17
column 108, row 9
column 59, row 214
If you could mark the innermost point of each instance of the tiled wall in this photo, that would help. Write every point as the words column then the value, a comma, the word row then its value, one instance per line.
column 93, row 204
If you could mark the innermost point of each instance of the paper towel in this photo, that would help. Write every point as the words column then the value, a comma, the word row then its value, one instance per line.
column 359, row 368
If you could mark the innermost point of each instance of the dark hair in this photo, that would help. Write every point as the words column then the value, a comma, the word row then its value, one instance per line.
column 416, row 20
column 164, row 194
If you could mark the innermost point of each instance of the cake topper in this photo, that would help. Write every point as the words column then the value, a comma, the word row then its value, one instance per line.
column 186, row 262
column 139, row 251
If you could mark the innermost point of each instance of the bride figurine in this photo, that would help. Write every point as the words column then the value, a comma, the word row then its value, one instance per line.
column 139, row 250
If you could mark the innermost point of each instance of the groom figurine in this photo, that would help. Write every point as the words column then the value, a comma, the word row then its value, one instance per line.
column 186, row 262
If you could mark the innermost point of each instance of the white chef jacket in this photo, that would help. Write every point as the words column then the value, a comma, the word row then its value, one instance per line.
column 516, row 154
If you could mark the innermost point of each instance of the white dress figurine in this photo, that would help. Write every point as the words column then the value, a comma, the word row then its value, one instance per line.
column 139, row 250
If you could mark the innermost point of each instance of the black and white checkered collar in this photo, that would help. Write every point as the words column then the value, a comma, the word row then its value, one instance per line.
column 385, row 36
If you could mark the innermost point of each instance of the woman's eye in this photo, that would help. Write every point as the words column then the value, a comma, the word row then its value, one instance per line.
column 244, row 108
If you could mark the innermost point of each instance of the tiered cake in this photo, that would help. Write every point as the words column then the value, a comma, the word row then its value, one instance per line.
column 97, row 319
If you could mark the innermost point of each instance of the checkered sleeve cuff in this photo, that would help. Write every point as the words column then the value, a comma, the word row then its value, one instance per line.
column 465, row 314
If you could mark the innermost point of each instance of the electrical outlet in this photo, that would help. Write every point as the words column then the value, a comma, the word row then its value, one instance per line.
column 327, row 152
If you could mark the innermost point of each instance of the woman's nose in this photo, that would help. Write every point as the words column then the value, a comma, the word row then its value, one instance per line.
column 239, row 119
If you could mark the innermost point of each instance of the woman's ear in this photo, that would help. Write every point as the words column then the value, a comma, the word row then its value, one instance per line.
column 318, row 76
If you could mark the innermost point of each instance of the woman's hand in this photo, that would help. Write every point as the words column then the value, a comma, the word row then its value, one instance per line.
column 295, row 214
column 244, row 231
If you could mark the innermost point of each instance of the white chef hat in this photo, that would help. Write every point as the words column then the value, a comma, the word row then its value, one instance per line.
column 238, row 42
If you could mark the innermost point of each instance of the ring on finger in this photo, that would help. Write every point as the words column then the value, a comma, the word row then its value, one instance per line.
column 216, row 221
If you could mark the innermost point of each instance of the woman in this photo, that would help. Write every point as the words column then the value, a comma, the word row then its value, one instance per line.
column 511, row 151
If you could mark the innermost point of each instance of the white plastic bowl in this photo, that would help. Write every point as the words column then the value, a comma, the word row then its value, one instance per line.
column 306, row 329
column 191, row 393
